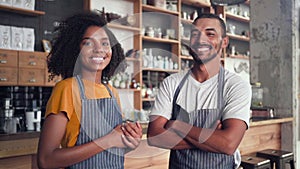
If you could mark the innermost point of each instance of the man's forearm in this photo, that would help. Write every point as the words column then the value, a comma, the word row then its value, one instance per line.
column 214, row 140
column 168, row 139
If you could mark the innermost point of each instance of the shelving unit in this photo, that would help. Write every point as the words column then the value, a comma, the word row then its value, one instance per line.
column 165, row 47
column 238, row 16
column 164, row 19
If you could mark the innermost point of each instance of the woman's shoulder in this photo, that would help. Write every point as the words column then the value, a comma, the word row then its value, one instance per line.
column 65, row 83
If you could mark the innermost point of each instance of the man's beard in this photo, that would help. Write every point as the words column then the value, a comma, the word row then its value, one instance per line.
column 197, row 59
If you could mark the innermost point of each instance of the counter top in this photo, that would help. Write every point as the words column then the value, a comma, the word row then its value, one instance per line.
column 19, row 135
column 23, row 143
column 26, row 142
column 260, row 122
column 34, row 134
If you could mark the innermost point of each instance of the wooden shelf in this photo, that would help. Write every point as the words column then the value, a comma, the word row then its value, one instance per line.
column 238, row 37
column 239, row 57
column 128, row 90
column 186, row 57
column 151, row 8
column 123, row 27
column 160, row 70
column 148, row 99
column 186, row 21
column 132, row 59
column 196, row 3
column 237, row 17
column 21, row 11
column 147, row 38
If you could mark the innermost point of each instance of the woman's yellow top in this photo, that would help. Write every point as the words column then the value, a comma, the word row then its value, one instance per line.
column 65, row 98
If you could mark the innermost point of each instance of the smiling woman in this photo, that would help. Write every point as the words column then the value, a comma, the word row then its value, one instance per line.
column 83, row 116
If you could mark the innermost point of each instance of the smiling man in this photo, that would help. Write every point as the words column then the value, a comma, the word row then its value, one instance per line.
column 202, row 114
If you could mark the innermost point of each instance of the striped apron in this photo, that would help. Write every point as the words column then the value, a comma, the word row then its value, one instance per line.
column 204, row 118
column 99, row 117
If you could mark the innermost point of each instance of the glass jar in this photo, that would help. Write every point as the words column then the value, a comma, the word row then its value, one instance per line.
column 257, row 95
column 150, row 31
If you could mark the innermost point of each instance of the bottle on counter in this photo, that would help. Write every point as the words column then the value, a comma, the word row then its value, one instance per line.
column 257, row 95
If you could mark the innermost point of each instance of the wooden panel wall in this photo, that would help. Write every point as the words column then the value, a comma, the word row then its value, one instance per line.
column 261, row 137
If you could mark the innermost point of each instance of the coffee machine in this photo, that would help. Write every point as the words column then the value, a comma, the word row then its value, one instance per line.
column 33, row 117
column 8, row 123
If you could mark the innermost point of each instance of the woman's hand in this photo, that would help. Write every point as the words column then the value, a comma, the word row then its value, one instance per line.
column 133, row 134
column 116, row 137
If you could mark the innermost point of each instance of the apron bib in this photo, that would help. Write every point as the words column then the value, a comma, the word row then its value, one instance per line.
column 98, row 118
column 204, row 118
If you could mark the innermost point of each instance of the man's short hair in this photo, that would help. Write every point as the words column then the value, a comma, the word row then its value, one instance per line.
column 213, row 16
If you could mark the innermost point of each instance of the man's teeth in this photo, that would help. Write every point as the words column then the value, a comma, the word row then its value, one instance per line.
column 202, row 49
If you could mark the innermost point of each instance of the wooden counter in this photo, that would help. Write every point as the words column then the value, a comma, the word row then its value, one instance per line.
column 147, row 157
column 263, row 134
column 18, row 150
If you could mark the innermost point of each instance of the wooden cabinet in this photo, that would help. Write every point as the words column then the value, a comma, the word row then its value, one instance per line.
column 32, row 67
column 8, row 76
column 8, row 58
column 24, row 69
column 31, row 77
column 36, row 60
column 8, row 67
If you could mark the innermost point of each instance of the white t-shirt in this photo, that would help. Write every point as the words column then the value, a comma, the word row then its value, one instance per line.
column 195, row 96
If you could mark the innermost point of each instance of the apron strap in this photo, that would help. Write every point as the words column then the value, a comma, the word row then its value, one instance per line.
column 221, row 82
column 177, row 92
column 109, row 91
column 81, row 88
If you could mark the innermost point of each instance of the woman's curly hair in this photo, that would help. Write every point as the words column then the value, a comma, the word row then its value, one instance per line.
column 66, row 47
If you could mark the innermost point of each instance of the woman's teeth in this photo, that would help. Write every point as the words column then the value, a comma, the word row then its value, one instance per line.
column 98, row 58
